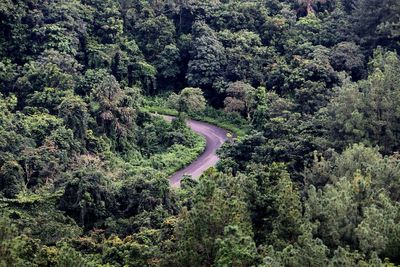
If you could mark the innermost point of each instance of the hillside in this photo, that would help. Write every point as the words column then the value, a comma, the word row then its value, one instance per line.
column 304, row 94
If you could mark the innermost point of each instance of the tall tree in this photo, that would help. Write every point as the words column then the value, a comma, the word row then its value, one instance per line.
column 240, row 98
column 75, row 114
column 207, row 57
column 114, row 112
column 218, row 203
column 372, row 116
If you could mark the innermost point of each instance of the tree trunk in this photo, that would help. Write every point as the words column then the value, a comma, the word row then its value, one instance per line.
column 310, row 9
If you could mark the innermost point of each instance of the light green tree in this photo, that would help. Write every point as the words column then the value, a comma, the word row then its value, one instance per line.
column 235, row 248
column 219, row 212
column 188, row 100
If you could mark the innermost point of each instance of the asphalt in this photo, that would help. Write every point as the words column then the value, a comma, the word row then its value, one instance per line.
column 215, row 137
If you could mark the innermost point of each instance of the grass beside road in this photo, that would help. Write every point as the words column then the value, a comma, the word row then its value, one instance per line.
column 229, row 121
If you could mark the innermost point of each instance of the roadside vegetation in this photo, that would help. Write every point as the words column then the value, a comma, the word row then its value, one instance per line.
column 232, row 122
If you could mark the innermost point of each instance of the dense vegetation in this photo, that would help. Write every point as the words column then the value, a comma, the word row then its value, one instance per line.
column 313, row 87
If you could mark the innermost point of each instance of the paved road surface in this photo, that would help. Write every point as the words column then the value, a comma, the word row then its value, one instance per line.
column 215, row 137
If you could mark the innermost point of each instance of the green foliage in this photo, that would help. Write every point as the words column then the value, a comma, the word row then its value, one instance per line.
column 189, row 100
column 218, row 203
column 241, row 98
column 49, row 98
column 244, row 55
column 347, row 56
column 129, row 252
column 39, row 125
column 207, row 57
column 370, row 16
column 366, row 111
column 68, row 257
column 108, row 25
column 235, row 248
column 74, row 113
column 115, row 110
column 52, row 69
column 11, row 179
column 274, row 204
column 312, row 178
column 86, row 197
column 227, row 120
column 348, row 204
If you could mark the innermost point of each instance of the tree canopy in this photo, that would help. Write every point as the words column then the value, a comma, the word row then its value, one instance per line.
column 308, row 91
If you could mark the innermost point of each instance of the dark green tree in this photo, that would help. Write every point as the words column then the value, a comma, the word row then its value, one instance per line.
column 11, row 179
column 207, row 57
column 75, row 115
column 88, row 196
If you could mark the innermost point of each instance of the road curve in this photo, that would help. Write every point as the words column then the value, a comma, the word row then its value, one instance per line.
column 215, row 137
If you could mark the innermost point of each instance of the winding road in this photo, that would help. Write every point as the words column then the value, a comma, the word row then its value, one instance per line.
column 215, row 137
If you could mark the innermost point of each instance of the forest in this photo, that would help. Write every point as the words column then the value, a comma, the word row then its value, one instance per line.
column 309, row 89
